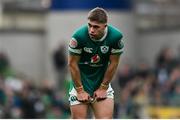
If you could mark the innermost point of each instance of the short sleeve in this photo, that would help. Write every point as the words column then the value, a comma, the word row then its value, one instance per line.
column 117, row 48
column 74, row 47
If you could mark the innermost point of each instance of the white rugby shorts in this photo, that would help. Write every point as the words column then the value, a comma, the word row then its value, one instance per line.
column 73, row 95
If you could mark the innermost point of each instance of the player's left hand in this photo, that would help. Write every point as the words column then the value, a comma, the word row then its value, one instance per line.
column 100, row 94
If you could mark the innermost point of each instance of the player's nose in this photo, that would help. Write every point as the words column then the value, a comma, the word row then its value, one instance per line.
column 91, row 30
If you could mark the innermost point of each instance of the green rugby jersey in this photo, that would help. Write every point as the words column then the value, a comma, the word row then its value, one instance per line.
column 94, row 55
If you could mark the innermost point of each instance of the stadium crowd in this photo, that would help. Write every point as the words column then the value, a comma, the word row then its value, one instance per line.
column 141, row 87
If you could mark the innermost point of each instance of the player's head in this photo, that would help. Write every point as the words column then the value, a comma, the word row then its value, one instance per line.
column 97, row 22
column 98, row 15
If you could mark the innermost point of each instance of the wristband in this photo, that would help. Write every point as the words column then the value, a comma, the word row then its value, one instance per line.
column 79, row 89
column 104, row 86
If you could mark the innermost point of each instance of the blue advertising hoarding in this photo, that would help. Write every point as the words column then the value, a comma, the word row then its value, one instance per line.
column 89, row 4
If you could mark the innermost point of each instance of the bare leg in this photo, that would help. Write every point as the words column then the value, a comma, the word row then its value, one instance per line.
column 103, row 109
column 79, row 111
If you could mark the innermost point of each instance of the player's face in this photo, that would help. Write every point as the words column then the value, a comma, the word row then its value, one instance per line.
column 96, row 30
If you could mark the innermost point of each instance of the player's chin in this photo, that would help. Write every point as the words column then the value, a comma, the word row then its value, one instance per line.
column 92, row 36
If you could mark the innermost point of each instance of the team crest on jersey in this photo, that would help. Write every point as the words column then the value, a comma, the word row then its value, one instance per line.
column 104, row 49
column 73, row 43
column 95, row 59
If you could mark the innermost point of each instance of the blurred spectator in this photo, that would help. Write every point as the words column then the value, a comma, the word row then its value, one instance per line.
column 172, row 87
column 59, row 61
column 4, row 61
column 175, row 97
column 166, row 59
column 178, row 53
column 143, row 70
column 5, row 68
column 28, row 99
column 165, row 63
column 55, row 103
column 157, row 98
column 125, row 75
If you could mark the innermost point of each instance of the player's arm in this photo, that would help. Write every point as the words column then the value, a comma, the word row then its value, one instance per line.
column 82, row 96
column 73, row 60
column 116, row 51
column 74, row 69
column 101, row 93
column 75, row 50
column 114, row 61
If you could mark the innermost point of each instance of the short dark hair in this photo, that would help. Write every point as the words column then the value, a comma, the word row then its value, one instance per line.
column 98, row 14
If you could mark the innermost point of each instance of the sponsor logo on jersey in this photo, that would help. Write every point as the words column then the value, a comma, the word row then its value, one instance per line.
column 95, row 59
column 73, row 43
column 88, row 50
column 104, row 49
column 96, row 65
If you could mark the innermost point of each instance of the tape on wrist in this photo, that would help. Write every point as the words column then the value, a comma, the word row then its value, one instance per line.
column 104, row 86
column 79, row 89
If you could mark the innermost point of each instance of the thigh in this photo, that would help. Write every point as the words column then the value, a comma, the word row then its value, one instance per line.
column 79, row 111
column 103, row 109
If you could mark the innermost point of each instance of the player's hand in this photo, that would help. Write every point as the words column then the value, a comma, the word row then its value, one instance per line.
column 100, row 94
column 83, row 96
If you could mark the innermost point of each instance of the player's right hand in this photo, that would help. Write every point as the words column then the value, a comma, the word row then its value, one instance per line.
column 83, row 96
